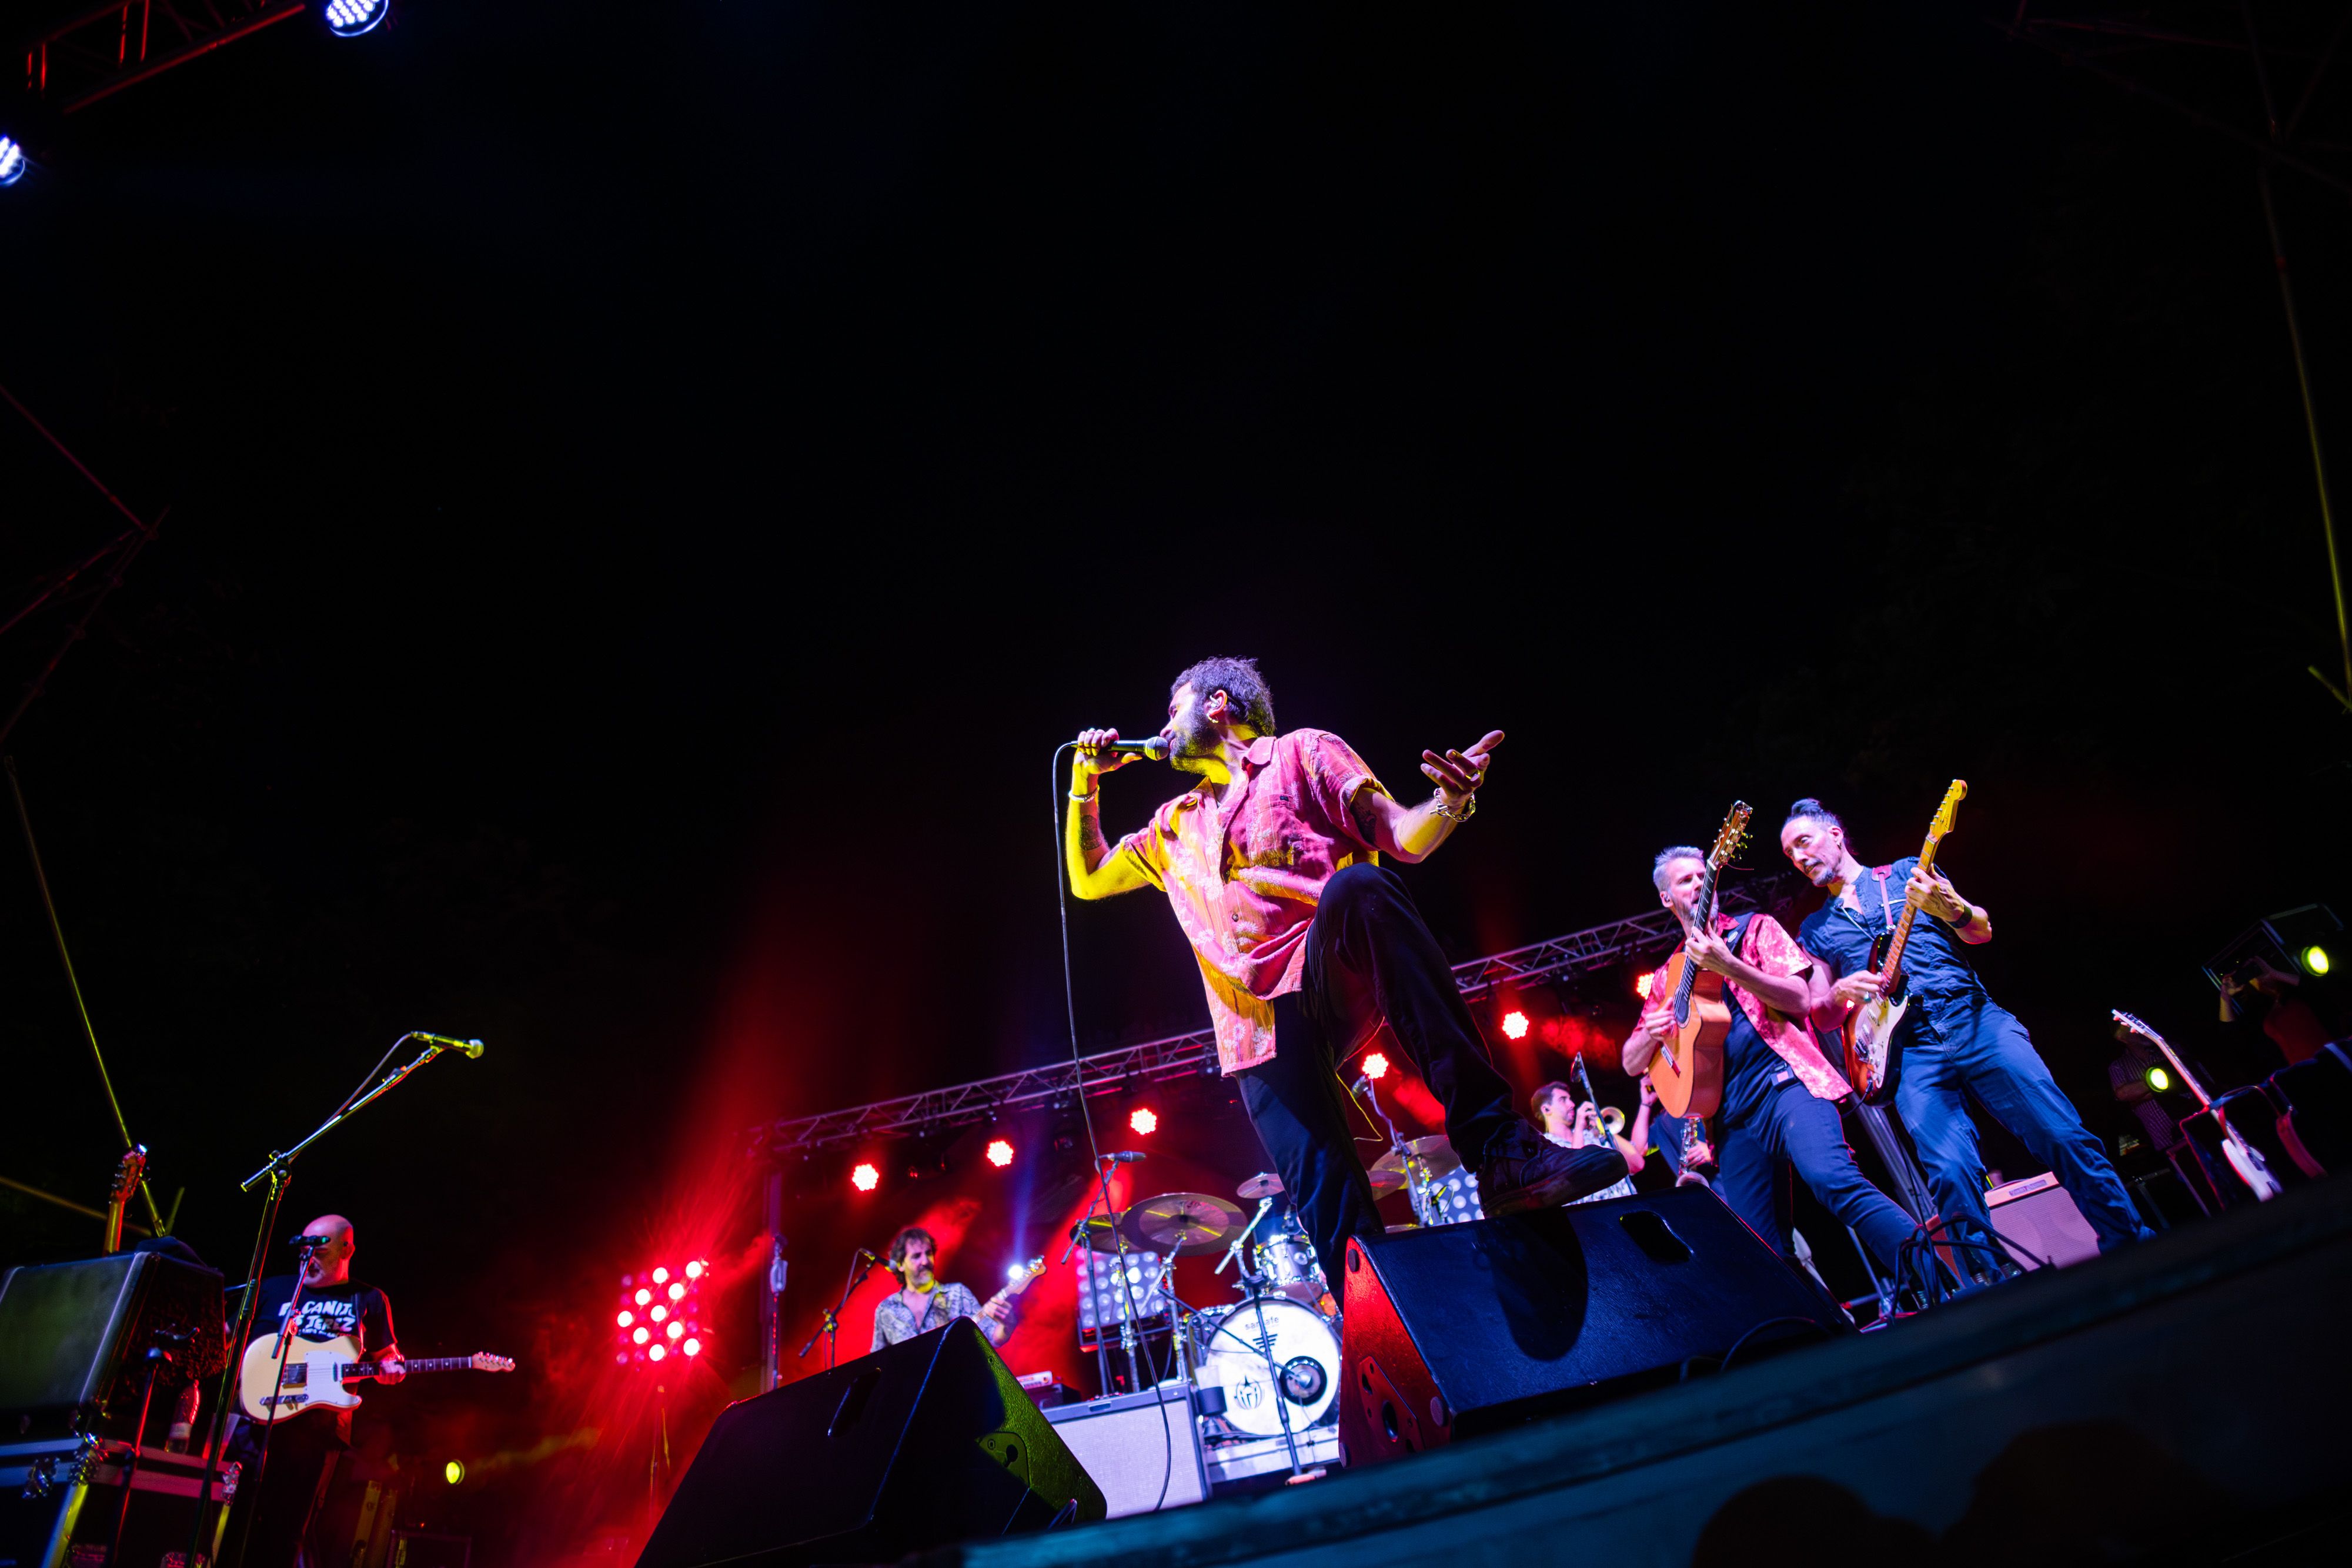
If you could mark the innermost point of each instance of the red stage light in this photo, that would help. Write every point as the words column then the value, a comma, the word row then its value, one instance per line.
column 1514, row 1024
column 692, row 1347
column 656, row 1353
column 661, row 1276
column 1143, row 1119
column 675, row 1291
column 694, row 1270
column 1376, row 1067
column 642, row 1335
column 626, row 1317
column 1642, row 984
column 658, row 1313
column 676, row 1328
column 644, row 1296
column 1000, row 1154
column 865, row 1179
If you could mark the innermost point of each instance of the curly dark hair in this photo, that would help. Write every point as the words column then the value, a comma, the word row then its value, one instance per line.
column 912, row 1233
column 1238, row 679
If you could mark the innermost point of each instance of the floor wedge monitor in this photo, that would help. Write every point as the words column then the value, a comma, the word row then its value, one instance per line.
column 1461, row 1329
column 926, row 1442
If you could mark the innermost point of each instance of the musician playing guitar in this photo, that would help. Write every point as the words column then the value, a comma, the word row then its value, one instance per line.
column 922, row 1304
column 1954, row 1036
column 303, row 1448
column 1780, row 1101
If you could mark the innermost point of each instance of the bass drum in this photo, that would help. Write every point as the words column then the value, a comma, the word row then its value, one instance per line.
column 1306, row 1355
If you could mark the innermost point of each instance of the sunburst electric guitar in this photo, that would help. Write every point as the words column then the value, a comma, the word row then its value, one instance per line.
column 2244, row 1157
column 1874, row 1056
column 317, row 1373
column 1688, row 1068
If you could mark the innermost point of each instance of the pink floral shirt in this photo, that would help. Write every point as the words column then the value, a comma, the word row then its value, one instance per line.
column 1245, row 879
column 1769, row 947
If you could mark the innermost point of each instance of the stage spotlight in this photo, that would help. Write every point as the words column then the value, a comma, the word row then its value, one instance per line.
column 1000, row 1154
column 1642, row 984
column 644, row 1296
column 1143, row 1119
column 676, row 1290
column 1376, row 1066
column 12, row 161
column 643, row 1334
column 2315, row 959
column 454, row 1471
column 661, row 1276
column 1514, row 1024
column 656, row 1353
column 658, row 1312
column 694, row 1270
column 692, row 1347
column 865, row 1179
column 2158, row 1079
column 626, row 1317
column 350, row 18
column 676, row 1329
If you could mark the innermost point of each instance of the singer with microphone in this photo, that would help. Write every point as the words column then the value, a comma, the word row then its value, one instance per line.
column 922, row 1304
column 1307, row 942
column 272, row 1519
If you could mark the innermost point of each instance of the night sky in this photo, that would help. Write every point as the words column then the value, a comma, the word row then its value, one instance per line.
column 649, row 488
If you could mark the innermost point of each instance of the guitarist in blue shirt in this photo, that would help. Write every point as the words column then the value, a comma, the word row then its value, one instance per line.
column 1955, row 1037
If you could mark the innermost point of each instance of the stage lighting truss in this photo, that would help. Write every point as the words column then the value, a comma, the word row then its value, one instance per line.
column 658, row 1315
column 95, row 53
column 350, row 18
column 1103, row 1304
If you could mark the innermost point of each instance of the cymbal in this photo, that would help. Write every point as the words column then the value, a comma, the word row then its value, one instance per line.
column 1386, row 1178
column 1179, row 1224
column 1265, row 1183
column 1099, row 1235
column 1432, row 1153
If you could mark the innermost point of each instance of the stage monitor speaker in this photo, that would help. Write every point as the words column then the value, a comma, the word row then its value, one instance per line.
column 73, row 1339
column 2039, row 1223
column 1462, row 1329
column 922, row 1443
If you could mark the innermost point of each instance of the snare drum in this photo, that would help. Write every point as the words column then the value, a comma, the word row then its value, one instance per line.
column 1286, row 1260
column 1305, row 1356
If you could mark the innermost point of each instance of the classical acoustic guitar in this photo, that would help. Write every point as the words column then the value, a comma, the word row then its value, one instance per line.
column 1688, row 1068
column 1874, row 1056
column 318, row 1373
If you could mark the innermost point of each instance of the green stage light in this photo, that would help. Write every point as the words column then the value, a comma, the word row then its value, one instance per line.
column 2158, row 1079
column 454, row 1471
column 2315, row 959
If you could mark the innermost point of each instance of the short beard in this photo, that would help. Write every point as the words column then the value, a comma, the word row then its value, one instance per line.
column 1193, row 739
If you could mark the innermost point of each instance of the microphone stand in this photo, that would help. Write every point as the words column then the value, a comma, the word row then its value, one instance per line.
column 279, row 1173
column 860, row 1265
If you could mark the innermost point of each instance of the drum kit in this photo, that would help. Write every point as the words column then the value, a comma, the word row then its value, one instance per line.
column 1275, row 1352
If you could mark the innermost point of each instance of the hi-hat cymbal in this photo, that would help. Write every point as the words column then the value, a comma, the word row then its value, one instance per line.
column 1265, row 1183
column 1431, row 1154
column 1178, row 1224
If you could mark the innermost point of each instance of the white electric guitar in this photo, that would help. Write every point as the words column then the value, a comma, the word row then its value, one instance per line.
column 317, row 1371
column 1874, row 1056
column 2244, row 1157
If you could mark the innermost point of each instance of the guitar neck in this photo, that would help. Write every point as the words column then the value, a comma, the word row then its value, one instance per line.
column 1690, row 971
column 426, row 1364
column 1891, row 970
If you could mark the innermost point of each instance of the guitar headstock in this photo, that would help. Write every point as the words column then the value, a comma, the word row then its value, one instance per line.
column 1022, row 1274
column 129, row 1172
column 2135, row 1025
column 1729, row 837
column 483, row 1361
column 1947, row 813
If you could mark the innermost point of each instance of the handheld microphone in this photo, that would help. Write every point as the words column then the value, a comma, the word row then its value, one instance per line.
column 1125, row 1157
column 472, row 1048
column 1152, row 746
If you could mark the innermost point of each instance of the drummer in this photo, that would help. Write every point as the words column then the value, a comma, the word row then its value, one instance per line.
column 1578, row 1125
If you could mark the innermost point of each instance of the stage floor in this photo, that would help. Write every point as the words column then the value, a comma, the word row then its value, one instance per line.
column 2177, row 1398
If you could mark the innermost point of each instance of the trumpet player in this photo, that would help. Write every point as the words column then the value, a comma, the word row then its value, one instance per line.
column 1574, row 1124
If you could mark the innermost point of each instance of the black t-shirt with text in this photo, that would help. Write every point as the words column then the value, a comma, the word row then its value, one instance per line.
column 327, row 1311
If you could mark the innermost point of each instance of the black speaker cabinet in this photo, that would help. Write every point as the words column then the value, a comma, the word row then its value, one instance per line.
column 918, row 1444
column 1461, row 1329
column 74, row 1338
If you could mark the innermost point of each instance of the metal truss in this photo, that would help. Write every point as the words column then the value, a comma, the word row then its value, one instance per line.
column 1577, row 954
column 100, row 50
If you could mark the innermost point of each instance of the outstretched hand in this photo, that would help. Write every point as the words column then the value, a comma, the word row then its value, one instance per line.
column 1458, row 774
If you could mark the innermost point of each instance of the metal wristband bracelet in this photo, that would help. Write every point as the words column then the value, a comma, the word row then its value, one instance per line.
column 1462, row 813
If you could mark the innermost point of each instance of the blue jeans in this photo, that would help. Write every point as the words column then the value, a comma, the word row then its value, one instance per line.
column 1965, row 1042
column 1792, row 1129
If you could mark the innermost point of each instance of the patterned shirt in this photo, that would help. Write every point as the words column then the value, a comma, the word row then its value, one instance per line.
column 1767, row 947
column 1244, row 878
column 1620, row 1188
column 893, row 1322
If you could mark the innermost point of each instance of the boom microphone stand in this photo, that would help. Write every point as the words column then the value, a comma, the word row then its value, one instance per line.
column 279, row 1173
column 830, row 1330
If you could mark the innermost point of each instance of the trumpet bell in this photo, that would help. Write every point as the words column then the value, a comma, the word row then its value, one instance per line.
column 1614, row 1119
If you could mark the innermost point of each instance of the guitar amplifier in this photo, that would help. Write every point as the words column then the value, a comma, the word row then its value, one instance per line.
column 1143, row 1450
column 73, row 1339
column 2039, row 1223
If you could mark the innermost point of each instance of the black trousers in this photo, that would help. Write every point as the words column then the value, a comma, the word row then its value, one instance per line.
column 1369, row 955
column 302, row 1453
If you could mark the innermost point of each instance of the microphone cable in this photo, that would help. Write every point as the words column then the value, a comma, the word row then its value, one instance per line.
column 1132, row 1323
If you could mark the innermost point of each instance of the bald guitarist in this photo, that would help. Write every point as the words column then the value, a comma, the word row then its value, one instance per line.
column 1780, row 1110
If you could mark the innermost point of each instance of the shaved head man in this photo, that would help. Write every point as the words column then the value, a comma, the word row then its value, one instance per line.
column 330, row 1304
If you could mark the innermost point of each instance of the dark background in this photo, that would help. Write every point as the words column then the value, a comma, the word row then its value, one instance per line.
column 650, row 487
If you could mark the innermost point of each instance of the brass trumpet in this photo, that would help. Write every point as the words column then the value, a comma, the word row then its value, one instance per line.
column 1614, row 1119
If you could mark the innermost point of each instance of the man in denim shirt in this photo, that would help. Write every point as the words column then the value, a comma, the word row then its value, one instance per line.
column 1955, row 1037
